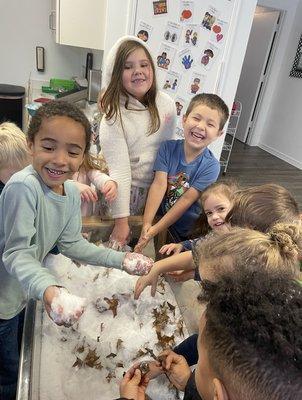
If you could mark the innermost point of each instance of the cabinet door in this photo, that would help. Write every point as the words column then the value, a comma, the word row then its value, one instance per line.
column 82, row 23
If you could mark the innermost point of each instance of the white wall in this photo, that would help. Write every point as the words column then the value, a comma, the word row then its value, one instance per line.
column 278, row 127
column 23, row 26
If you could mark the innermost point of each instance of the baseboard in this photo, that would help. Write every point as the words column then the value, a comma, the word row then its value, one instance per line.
column 284, row 157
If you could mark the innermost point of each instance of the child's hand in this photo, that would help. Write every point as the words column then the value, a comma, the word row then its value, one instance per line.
column 62, row 307
column 87, row 192
column 109, row 190
column 176, row 368
column 146, row 235
column 137, row 264
column 144, row 281
column 133, row 385
column 175, row 248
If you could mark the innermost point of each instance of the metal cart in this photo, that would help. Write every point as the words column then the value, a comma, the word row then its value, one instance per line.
column 230, row 135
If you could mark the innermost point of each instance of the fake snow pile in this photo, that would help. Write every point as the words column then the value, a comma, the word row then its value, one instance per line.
column 88, row 359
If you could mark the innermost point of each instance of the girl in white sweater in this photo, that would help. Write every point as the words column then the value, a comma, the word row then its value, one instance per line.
column 137, row 118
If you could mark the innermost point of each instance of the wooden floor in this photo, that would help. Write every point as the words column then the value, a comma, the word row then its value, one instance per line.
column 254, row 166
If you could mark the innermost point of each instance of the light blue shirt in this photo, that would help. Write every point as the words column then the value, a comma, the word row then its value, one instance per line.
column 33, row 219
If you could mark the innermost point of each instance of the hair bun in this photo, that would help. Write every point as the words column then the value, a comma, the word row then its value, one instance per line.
column 288, row 238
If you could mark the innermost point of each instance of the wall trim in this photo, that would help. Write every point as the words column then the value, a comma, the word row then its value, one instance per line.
column 280, row 155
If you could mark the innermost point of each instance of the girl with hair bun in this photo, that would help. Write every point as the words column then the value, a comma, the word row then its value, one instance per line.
column 278, row 249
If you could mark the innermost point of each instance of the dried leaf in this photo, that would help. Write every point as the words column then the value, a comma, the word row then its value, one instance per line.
column 78, row 363
column 102, row 326
column 171, row 308
column 120, row 365
column 96, row 277
column 180, row 327
column 111, row 374
column 77, row 263
column 113, row 303
column 165, row 341
column 119, row 344
column 111, row 355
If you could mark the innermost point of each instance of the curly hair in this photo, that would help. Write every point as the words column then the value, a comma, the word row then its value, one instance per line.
column 253, row 334
column 59, row 108
column 278, row 249
column 260, row 207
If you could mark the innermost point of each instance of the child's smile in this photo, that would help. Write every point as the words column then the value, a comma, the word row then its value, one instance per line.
column 201, row 127
column 58, row 150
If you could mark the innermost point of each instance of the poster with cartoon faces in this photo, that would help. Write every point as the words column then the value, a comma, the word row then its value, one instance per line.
column 172, row 32
column 196, row 83
column 209, row 18
column 172, row 82
column 209, row 55
column 185, row 59
column 165, row 56
column 186, row 11
column 190, row 35
column 219, row 32
column 144, row 31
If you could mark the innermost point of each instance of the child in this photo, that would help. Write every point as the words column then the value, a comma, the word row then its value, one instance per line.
column 39, row 208
column 249, row 344
column 92, row 172
column 259, row 207
column 184, row 168
column 137, row 118
column 14, row 153
column 279, row 249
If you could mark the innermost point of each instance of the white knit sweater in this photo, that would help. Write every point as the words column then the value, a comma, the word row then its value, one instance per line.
column 130, row 154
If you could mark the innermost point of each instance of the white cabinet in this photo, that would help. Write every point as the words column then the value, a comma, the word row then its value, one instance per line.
column 89, row 23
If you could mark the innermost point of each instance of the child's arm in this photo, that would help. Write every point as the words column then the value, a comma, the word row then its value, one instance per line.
column 182, row 261
column 155, row 195
column 175, row 212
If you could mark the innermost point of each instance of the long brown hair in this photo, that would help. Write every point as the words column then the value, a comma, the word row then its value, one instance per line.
column 110, row 102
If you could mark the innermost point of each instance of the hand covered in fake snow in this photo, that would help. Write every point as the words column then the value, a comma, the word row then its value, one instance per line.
column 147, row 234
column 87, row 192
column 62, row 307
column 144, row 281
column 169, row 248
column 109, row 191
column 133, row 385
column 137, row 264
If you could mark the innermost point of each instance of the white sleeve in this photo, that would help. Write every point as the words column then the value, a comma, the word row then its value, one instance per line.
column 115, row 150
column 98, row 178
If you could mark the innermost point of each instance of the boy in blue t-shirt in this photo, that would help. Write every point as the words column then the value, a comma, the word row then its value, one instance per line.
column 183, row 169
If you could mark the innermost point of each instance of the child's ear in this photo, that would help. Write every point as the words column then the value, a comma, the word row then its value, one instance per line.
column 220, row 392
column 30, row 145
column 220, row 133
column 184, row 118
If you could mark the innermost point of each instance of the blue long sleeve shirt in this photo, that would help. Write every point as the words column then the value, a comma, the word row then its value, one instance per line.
column 33, row 219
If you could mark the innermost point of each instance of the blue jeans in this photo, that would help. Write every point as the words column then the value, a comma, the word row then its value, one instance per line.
column 10, row 344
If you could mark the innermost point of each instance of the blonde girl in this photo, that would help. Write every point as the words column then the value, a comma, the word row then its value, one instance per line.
column 137, row 118
column 93, row 171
